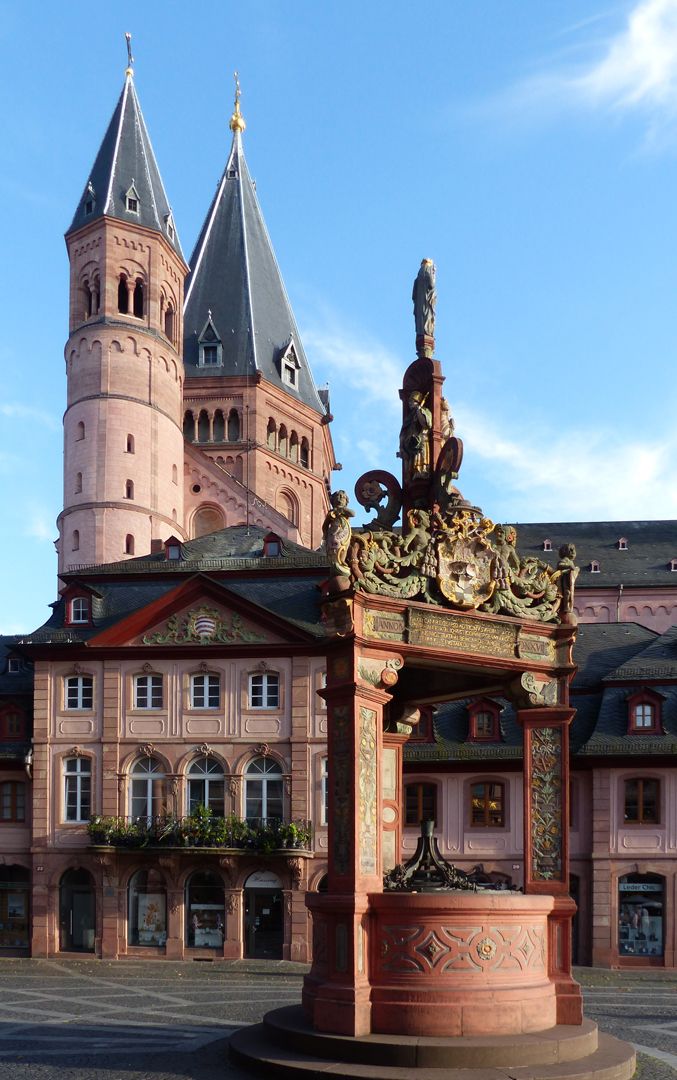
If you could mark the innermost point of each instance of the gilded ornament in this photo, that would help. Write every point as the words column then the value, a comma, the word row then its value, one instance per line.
column 486, row 948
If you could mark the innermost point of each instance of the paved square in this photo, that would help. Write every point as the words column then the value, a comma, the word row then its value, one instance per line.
column 92, row 1020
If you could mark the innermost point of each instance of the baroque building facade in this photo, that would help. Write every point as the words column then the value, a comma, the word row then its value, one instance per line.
column 175, row 695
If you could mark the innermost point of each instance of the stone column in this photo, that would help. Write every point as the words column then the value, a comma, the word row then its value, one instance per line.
column 546, row 840
column 337, row 991
column 232, row 942
column 174, row 948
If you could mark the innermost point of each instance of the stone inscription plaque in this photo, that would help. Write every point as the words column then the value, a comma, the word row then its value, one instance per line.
column 384, row 625
column 435, row 630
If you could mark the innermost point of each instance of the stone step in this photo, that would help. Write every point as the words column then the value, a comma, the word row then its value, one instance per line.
column 253, row 1049
column 289, row 1027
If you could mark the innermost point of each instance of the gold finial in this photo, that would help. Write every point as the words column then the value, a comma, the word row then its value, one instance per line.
column 237, row 120
column 129, row 70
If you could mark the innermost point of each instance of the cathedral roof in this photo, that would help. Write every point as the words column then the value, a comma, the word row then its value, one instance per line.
column 235, row 295
column 125, row 181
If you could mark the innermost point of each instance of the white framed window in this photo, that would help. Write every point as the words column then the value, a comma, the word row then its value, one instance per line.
column 80, row 610
column 643, row 715
column 206, row 786
column 324, row 790
column 263, row 791
column 13, row 665
column 264, row 690
column 79, row 692
column 146, row 789
column 148, row 692
column 77, row 799
column 205, row 691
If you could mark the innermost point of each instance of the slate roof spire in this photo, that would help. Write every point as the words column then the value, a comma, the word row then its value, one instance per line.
column 235, row 277
column 124, row 181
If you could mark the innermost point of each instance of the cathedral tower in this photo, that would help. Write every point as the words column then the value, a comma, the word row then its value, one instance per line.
column 123, row 441
column 250, row 402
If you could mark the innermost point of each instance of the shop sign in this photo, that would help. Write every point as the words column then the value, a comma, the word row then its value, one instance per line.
column 633, row 886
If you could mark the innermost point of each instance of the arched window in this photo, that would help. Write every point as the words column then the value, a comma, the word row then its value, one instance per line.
column 130, row 444
column 129, row 544
column 286, row 504
column 203, row 426
column 147, row 789
column 77, row 795
column 207, row 520
column 205, row 911
column 206, row 786
column 271, row 433
column 12, row 800
column 305, row 454
column 147, row 920
column 487, row 805
column 233, row 426
column 169, row 322
column 282, row 441
column 138, row 299
column 76, row 540
column 129, row 489
column 78, row 483
column 123, row 295
column 263, row 791
column 219, row 426
column 420, row 802
column 189, row 426
column 80, row 431
column 96, row 296
column 89, row 301
column 79, row 610
column 293, row 447
column 175, row 475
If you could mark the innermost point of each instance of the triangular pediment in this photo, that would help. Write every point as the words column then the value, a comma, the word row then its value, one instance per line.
column 199, row 613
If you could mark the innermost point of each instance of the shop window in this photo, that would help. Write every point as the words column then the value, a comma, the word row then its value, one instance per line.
column 148, row 692
column 79, row 692
column 263, row 790
column 14, row 911
column 641, row 906
column 77, row 799
column 644, row 713
column 324, row 790
column 487, row 805
column 206, row 786
column 420, row 803
column 79, row 610
column 205, row 911
column 147, row 789
column 264, row 691
column 12, row 801
column 147, row 921
column 641, row 801
column 205, row 691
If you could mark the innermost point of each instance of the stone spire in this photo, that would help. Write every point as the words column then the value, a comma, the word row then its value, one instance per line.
column 124, row 181
column 236, row 301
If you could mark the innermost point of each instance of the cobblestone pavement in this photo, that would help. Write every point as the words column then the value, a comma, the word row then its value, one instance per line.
column 92, row 1020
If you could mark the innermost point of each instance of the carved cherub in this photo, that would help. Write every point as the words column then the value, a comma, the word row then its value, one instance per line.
column 337, row 532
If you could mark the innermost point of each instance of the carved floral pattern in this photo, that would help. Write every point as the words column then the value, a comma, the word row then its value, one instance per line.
column 340, row 761
column 546, row 803
column 367, row 791
column 204, row 626
column 421, row 948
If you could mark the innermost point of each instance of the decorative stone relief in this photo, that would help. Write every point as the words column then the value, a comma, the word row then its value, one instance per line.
column 546, row 803
column 204, row 626
column 367, row 813
column 340, row 788
column 421, row 948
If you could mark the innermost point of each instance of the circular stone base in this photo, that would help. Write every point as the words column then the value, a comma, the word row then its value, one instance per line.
column 286, row 1044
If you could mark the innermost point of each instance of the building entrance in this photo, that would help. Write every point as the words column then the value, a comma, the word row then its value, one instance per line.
column 14, row 882
column 263, row 916
column 77, row 912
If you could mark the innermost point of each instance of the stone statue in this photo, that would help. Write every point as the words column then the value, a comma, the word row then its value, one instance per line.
column 337, row 532
column 567, row 572
column 415, row 436
column 425, row 297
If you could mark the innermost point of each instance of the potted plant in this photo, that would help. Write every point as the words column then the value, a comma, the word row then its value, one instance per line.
column 100, row 829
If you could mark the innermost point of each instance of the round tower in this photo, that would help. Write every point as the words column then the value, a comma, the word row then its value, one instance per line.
column 123, row 439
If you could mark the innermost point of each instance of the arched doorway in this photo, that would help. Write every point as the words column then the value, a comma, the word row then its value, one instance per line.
column 14, row 923
column 77, row 912
column 205, row 911
column 263, row 916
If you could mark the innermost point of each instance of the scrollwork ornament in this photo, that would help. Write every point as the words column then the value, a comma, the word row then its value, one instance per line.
column 379, row 491
column 147, row 749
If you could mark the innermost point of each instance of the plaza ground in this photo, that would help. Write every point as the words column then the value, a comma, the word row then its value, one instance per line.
column 91, row 1020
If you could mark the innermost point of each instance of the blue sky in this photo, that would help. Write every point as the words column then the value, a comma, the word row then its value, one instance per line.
column 528, row 148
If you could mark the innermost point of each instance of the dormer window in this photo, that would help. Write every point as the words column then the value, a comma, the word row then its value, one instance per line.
column 673, row 566
column 172, row 549
column 594, row 566
column 210, row 346
column 13, row 665
column 644, row 713
column 169, row 224
column 132, row 200
column 89, row 206
column 272, row 546
column 289, row 366
column 79, row 610
column 547, row 545
column 622, row 544
column 483, row 721
column 90, row 199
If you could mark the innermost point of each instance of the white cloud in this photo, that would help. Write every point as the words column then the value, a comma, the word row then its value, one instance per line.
column 577, row 475
column 15, row 410
column 39, row 526
column 359, row 362
column 635, row 69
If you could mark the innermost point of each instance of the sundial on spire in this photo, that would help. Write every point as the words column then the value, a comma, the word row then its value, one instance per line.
column 130, row 59
column 237, row 120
